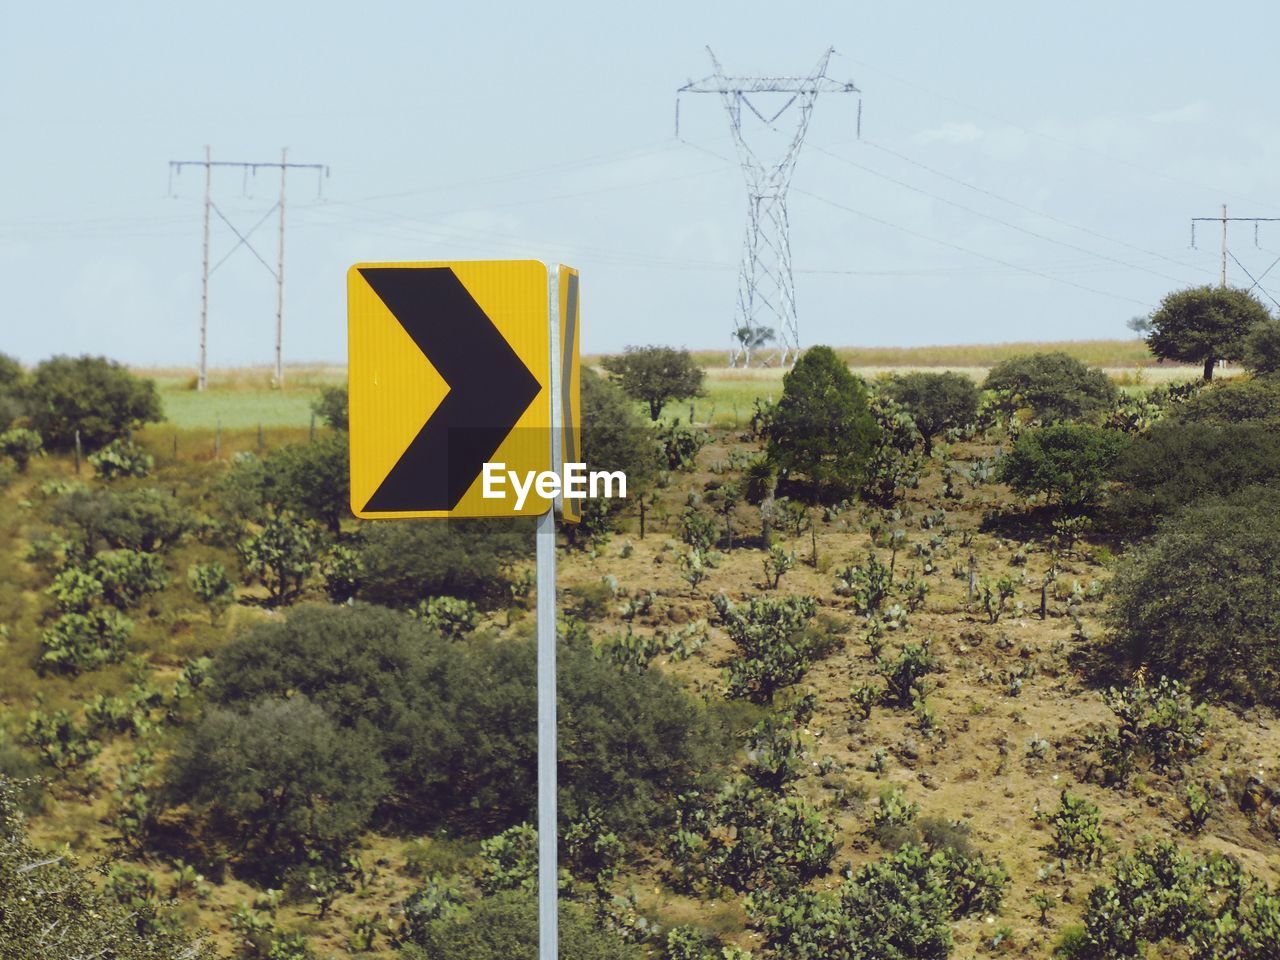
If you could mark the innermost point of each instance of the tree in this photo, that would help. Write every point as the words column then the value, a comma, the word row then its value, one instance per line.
column 96, row 396
column 936, row 401
column 1204, row 325
column 614, row 437
column 656, row 375
column 311, row 479
column 50, row 906
column 281, row 779
column 12, row 380
column 1069, row 463
column 822, row 427
column 1261, row 352
column 752, row 336
column 1056, row 386
column 1201, row 600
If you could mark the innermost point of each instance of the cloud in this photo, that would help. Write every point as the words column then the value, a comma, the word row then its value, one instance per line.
column 950, row 132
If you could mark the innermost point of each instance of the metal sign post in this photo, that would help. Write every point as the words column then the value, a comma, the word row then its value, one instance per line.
column 454, row 365
column 548, row 826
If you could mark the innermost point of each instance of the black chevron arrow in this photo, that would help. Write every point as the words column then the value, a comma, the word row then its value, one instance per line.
column 489, row 388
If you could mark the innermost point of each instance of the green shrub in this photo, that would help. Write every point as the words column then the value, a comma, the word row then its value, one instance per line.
column 50, row 907
column 452, row 721
column 20, row 445
column 1200, row 602
column 1163, row 897
column 149, row 519
column 904, row 675
column 448, row 616
column 1160, row 726
column 745, row 837
column 505, row 927
column 1077, row 830
column 1232, row 401
column 900, row 906
column 93, row 395
column 774, row 648
column 281, row 556
column 128, row 576
column 681, row 444
column 282, row 779
column 1068, row 463
column 331, row 407
column 211, row 586
column 1055, row 386
column 1175, row 464
column 1261, row 352
column 85, row 641
column 895, row 463
column 405, row 561
column 121, row 458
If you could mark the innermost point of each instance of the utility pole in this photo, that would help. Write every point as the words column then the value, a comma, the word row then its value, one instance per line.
column 203, row 377
column 247, row 169
column 284, row 170
column 1226, row 251
column 766, row 287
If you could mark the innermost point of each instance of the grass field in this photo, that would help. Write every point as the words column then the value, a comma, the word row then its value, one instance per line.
column 243, row 399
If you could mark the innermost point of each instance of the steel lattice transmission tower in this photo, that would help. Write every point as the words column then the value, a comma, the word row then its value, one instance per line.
column 766, row 288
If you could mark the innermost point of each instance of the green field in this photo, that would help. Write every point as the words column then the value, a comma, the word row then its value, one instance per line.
column 244, row 399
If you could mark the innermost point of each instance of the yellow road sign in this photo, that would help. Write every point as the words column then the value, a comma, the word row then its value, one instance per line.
column 570, row 384
column 449, row 368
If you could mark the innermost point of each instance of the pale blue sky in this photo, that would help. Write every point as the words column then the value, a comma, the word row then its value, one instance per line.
column 545, row 130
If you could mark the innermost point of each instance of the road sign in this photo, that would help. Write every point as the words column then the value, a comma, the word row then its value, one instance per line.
column 570, row 385
column 449, row 367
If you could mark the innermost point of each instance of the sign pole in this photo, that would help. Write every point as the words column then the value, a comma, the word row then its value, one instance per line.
column 548, row 826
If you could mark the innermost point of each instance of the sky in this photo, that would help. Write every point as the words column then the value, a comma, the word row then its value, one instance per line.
column 1025, row 171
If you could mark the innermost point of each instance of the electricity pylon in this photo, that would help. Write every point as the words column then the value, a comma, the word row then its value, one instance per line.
column 766, row 287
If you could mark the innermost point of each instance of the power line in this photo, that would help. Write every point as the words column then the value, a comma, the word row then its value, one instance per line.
column 995, row 219
column 962, row 249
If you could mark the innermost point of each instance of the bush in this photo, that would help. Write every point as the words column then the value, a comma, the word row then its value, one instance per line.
column 615, row 437
column 282, row 779
column 745, row 837
column 822, row 428
column 1261, row 352
column 1159, row 725
column 407, row 561
column 85, row 641
column 935, row 401
column 505, row 927
column 1231, row 401
column 1068, row 463
column 656, row 375
column 452, row 721
column 210, row 585
column 1176, row 464
column 121, row 458
column 138, row 518
column 1201, row 601
column 93, row 395
column 1077, row 830
column 281, row 555
column 50, row 907
column 774, row 647
column 900, row 906
column 1055, row 386
column 1163, row 897
column 895, row 463
column 310, row 479
column 331, row 407
column 20, row 445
